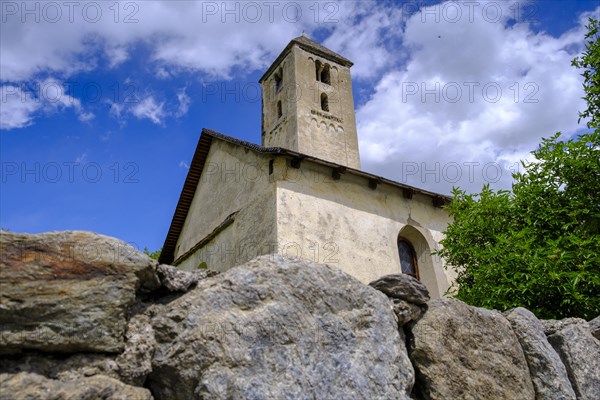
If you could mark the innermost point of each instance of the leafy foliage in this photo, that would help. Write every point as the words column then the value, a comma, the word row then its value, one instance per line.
column 590, row 61
column 152, row 254
column 539, row 246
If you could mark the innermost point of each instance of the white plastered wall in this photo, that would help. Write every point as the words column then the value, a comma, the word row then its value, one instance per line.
column 346, row 224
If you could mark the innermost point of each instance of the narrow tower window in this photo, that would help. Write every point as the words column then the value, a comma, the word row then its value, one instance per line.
column 278, row 81
column 325, row 75
column 408, row 260
column 324, row 102
column 279, row 110
column 318, row 67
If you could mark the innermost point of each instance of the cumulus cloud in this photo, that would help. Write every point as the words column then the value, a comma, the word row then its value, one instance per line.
column 211, row 37
column 460, row 94
column 59, row 39
column 474, row 98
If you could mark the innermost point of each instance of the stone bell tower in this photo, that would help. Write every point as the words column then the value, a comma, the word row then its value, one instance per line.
column 307, row 103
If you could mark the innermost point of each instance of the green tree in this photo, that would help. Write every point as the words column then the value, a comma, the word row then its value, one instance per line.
column 590, row 62
column 152, row 254
column 538, row 246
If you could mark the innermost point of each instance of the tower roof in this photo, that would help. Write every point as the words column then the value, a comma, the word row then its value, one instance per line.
column 305, row 43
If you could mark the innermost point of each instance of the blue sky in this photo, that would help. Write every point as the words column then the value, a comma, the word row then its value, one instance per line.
column 103, row 102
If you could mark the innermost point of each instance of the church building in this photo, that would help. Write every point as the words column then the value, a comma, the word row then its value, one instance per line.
column 301, row 193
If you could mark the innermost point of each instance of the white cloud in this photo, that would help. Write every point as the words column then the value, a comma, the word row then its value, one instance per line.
column 162, row 73
column 406, row 136
column 21, row 104
column 184, row 103
column 184, row 165
column 367, row 33
column 81, row 158
column 116, row 55
column 441, row 120
column 17, row 109
column 148, row 108
column 116, row 109
column 86, row 116
column 211, row 37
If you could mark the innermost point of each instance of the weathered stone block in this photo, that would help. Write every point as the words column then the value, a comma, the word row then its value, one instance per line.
column 548, row 374
column 68, row 291
column 464, row 352
column 580, row 352
column 279, row 329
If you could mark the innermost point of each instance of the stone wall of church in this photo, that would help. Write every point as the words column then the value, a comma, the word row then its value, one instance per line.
column 232, row 217
column 346, row 224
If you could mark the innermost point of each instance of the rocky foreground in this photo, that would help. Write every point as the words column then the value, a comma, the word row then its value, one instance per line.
column 85, row 316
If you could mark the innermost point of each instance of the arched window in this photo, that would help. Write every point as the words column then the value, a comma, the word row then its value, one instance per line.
column 318, row 67
column 325, row 75
column 278, row 81
column 324, row 102
column 279, row 110
column 408, row 259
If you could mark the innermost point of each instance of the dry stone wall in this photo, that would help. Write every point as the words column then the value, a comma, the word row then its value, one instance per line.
column 272, row 328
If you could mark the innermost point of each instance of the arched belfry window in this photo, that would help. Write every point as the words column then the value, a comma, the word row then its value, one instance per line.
column 323, row 72
column 318, row 67
column 408, row 258
column 278, row 81
column 324, row 102
column 326, row 75
column 279, row 110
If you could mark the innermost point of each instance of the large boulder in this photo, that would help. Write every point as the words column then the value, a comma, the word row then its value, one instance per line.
column 276, row 328
column 25, row 385
column 580, row 352
column 68, row 291
column 408, row 295
column 464, row 352
column 548, row 374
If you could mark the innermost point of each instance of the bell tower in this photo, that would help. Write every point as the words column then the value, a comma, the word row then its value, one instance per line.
column 307, row 103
